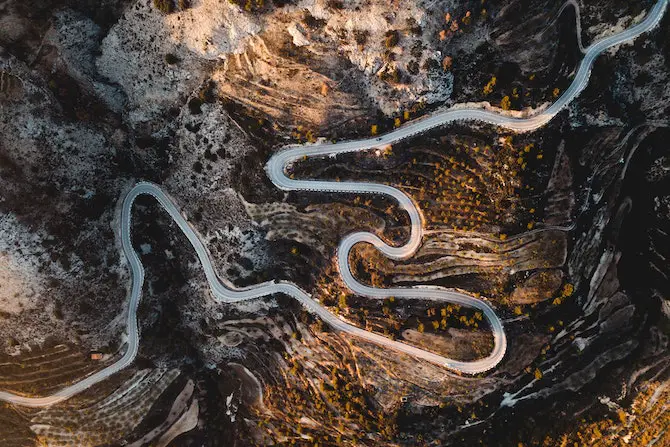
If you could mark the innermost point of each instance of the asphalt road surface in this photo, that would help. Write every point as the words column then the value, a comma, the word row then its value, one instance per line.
column 275, row 168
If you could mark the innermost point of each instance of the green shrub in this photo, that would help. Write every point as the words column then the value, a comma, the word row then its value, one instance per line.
column 171, row 59
column 361, row 36
column 392, row 37
column 413, row 67
column 391, row 75
column 164, row 6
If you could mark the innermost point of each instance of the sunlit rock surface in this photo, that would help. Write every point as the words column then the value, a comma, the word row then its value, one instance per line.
column 564, row 230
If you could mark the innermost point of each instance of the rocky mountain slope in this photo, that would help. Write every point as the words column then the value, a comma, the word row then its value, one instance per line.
column 196, row 94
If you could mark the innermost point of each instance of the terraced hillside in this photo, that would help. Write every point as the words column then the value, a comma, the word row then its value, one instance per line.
column 42, row 370
column 556, row 234
column 15, row 432
column 107, row 413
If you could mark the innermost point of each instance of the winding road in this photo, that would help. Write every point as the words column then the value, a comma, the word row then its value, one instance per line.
column 276, row 166
column 578, row 22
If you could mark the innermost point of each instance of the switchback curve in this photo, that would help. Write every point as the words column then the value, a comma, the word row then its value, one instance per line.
column 276, row 171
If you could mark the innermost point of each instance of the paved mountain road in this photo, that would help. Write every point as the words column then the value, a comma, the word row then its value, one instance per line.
column 275, row 168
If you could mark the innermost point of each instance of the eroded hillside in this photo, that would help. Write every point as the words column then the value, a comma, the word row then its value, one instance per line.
column 562, row 230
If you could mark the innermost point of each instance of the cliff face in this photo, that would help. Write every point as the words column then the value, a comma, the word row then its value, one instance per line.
column 564, row 230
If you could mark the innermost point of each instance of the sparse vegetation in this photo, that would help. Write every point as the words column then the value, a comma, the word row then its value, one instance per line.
column 488, row 88
column 171, row 59
column 392, row 75
column 90, row 422
column 250, row 5
column 430, row 64
column 44, row 369
column 164, row 6
column 413, row 67
column 361, row 36
column 341, row 406
column 391, row 38
column 644, row 423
